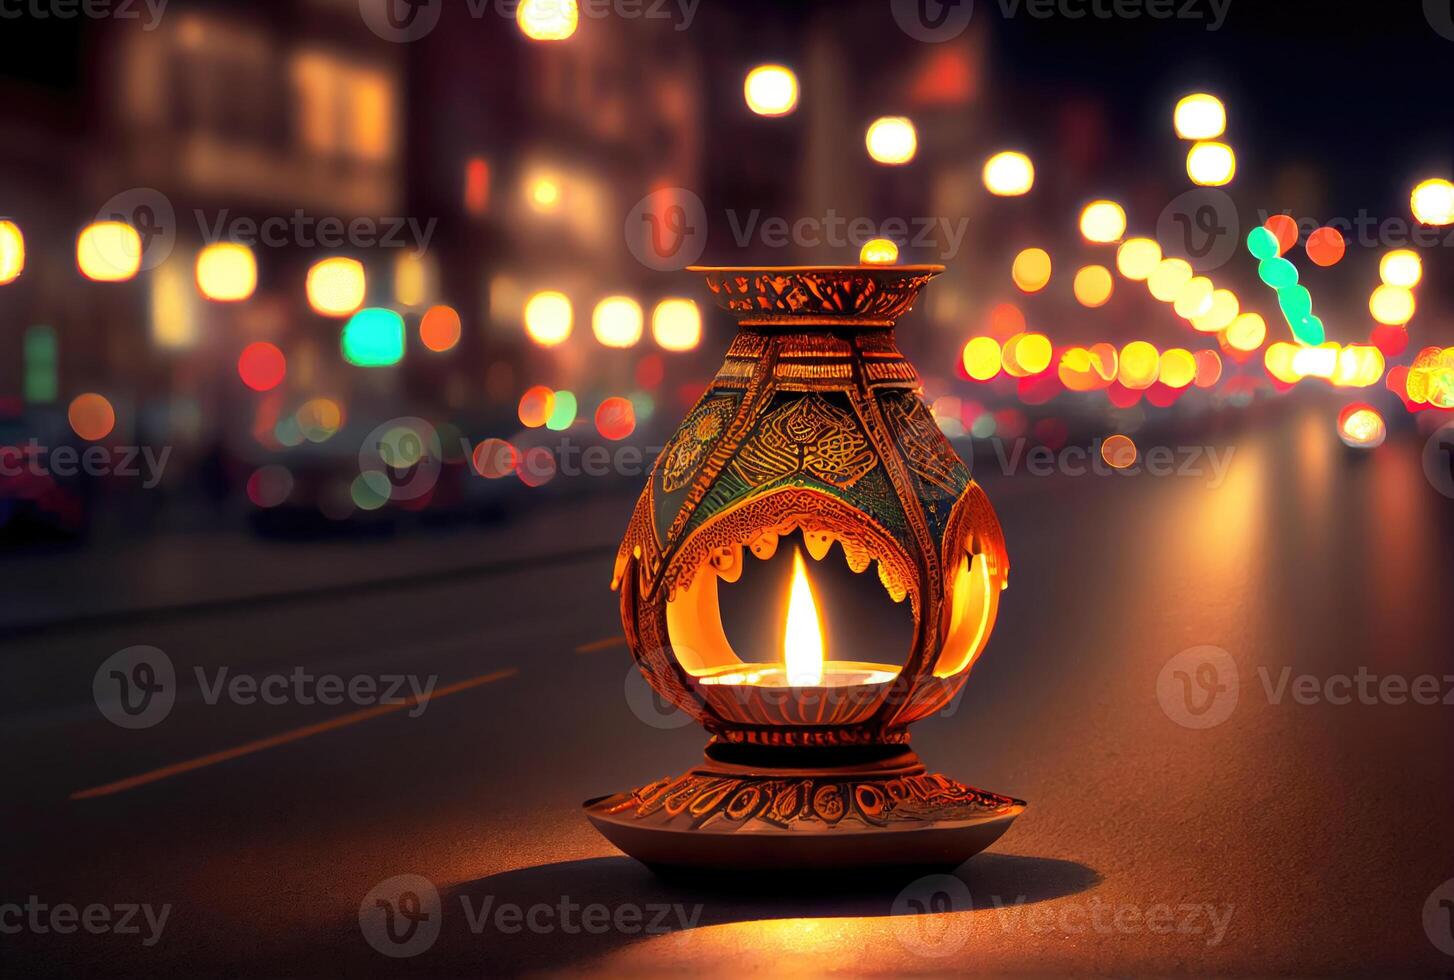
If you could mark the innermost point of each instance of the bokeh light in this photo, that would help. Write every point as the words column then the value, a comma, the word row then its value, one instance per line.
column 12, row 252
column 373, row 338
column 1200, row 117
column 1221, row 314
column 1119, row 452
column 1393, row 305
column 1137, row 258
column 109, row 251
column 440, row 328
column 1139, row 365
column 982, row 358
column 1326, row 246
column 563, row 411
column 1194, row 299
column 1026, row 354
column 226, row 272
column 1360, row 426
column 617, row 321
column 1401, row 267
column 1093, row 286
column 1211, row 164
column 495, row 459
column 262, row 366
column 1009, row 174
column 1247, row 332
column 1168, row 278
column 1433, row 202
column 370, row 490
column 892, row 140
column 771, row 90
column 1178, row 368
column 1103, row 222
column 878, row 251
column 676, row 325
column 269, row 486
column 91, row 416
column 548, row 20
column 319, row 419
column 1284, row 228
column 548, row 318
column 1031, row 270
column 337, row 286
column 536, row 406
column 1209, row 369
column 615, row 418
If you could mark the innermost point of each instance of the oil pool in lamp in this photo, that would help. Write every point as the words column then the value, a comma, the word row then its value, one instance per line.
column 812, row 438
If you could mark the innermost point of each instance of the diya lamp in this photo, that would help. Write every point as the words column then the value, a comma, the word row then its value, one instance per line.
column 812, row 437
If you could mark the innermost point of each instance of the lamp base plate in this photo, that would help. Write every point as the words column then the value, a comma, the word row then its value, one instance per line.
column 735, row 814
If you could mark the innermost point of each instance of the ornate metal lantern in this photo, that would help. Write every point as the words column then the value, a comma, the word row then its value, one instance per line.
column 813, row 427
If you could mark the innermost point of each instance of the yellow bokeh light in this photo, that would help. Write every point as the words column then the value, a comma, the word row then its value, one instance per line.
column 1278, row 359
column 1359, row 366
column 1009, row 174
column 544, row 193
column 1223, row 311
column 1392, row 305
column 1362, row 428
column 109, row 251
column 1168, row 278
column 1093, row 286
column 1031, row 270
column 12, row 252
column 982, row 358
column 878, row 251
column 771, row 90
column 1026, row 354
column 548, row 20
column 892, row 140
column 226, row 272
column 1211, row 164
column 1177, row 368
column 1401, row 267
column 1433, row 202
column 1103, row 222
column 413, row 278
column 1194, row 299
column 618, row 321
column 1200, row 117
column 1140, row 363
column 1137, row 258
column 337, row 286
column 1247, row 332
column 548, row 318
column 676, row 325
column 1316, row 362
column 1079, row 370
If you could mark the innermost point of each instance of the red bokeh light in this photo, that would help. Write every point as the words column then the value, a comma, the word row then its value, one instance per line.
column 262, row 366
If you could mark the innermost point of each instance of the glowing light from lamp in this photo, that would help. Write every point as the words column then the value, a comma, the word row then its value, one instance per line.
column 548, row 20
column 771, row 90
column 109, row 251
column 12, row 252
column 1009, row 174
column 617, row 321
column 676, row 325
column 336, row 287
column 802, row 633
column 548, row 318
column 1103, row 222
column 1433, row 202
column 1200, row 117
column 878, row 251
column 892, row 140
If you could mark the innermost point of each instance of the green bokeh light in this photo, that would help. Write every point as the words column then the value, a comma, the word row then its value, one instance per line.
column 374, row 338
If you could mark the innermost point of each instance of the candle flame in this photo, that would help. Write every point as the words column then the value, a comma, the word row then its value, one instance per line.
column 802, row 634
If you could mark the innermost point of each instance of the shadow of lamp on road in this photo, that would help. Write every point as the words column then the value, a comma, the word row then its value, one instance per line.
column 812, row 437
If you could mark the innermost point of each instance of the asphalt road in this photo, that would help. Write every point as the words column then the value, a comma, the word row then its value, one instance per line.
column 1294, row 835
